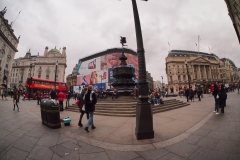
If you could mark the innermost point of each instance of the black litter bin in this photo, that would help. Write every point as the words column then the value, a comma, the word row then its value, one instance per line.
column 51, row 114
column 43, row 112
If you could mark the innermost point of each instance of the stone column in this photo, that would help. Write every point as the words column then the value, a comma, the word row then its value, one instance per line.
column 205, row 72
column 199, row 73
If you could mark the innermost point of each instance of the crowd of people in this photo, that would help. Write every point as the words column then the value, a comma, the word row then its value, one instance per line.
column 88, row 98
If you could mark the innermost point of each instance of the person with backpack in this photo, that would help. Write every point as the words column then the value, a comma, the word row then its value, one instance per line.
column 81, row 98
column 222, row 98
column 90, row 102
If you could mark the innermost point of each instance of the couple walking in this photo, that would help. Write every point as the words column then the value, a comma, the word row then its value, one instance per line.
column 88, row 99
column 220, row 97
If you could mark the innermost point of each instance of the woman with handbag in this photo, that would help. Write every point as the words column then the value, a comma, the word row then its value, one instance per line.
column 90, row 102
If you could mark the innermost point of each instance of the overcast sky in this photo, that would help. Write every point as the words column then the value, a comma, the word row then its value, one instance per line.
column 90, row 26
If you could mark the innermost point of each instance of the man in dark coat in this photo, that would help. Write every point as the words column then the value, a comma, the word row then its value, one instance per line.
column 53, row 93
column 215, row 95
column 199, row 93
column 82, row 103
column 222, row 98
column 191, row 95
column 90, row 101
column 187, row 94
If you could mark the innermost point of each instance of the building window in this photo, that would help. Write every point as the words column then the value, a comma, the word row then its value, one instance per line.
column 171, row 79
column 39, row 74
column 179, row 78
column 184, row 77
column 47, row 75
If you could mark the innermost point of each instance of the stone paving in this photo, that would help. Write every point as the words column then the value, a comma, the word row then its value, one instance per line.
column 191, row 132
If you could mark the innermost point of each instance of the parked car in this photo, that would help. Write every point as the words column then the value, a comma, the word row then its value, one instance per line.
column 171, row 95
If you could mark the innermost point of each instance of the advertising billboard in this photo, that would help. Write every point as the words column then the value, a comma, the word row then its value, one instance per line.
column 98, row 70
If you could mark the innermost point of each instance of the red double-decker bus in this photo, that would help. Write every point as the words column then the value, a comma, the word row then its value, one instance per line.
column 44, row 86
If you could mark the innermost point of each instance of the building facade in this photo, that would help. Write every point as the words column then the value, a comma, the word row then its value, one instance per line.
column 71, row 79
column 159, row 86
column 37, row 66
column 203, row 69
column 8, row 48
column 96, row 69
column 234, row 13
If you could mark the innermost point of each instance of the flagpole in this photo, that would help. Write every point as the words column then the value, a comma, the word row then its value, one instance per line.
column 198, row 45
column 169, row 47
column 16, row 18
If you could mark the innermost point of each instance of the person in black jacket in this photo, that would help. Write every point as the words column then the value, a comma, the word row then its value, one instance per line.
column 222, row 98
column 187, row 94
column 199, row 93
column 90, row 102
column 81, row 97
column 215, row 95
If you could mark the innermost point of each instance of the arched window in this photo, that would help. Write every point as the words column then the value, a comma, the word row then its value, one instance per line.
column 47, row 74
column 39, row 74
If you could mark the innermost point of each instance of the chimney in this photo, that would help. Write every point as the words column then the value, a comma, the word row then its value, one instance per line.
column 64, row 51
column 46, row 51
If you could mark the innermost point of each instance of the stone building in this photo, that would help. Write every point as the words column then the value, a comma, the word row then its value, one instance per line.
column 8, row 48
column 234, row 13
column 72, row 78
column 232, row 70
column 149, row 80
column 159, row 85
column 204, row 69
column 37, row 66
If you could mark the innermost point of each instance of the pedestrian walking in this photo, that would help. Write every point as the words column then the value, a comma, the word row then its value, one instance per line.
column 187, row 93
column 209, row 92
column 19, row 94
column 222, row 99
column 199, row 93
column 15, row 97
column 11, row 93
column 195, row 92
column 68, row 99
column 90, row 102
column 2, row 93
column 24, row 95
column 81, row 98
column 53, row 93
column 215, row 95
column 191, row 95
column 60, row 97
column 38, row 94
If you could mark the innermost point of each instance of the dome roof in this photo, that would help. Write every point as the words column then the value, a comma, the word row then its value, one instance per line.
column 55, row 51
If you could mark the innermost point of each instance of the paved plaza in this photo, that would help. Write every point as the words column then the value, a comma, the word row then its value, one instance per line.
column 192, row 132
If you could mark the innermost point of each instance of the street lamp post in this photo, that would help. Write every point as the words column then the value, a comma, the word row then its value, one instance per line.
column 144, row 118
column 30, row 80
column 5, row 77
column 188, row 74
column 101, row 83
column 162, row 84
column 56, row 67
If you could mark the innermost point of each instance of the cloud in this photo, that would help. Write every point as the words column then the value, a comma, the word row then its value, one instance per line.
column 87, row 27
